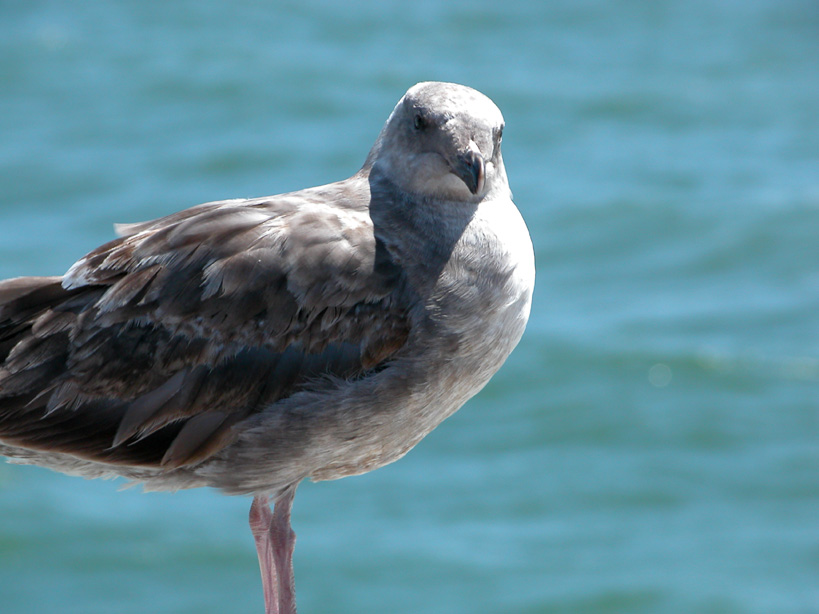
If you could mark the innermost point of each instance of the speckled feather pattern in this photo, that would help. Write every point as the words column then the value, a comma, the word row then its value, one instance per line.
column 250, row 344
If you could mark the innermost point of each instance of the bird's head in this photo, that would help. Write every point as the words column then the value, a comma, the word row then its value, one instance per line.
column 443, row 140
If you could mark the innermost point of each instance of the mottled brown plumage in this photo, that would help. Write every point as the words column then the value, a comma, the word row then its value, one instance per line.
column 186, row 325
column 250, row 344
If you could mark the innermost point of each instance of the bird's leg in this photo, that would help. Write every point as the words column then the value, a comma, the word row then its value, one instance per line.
column 284, row 542
column 275, row 541
column 260, row 522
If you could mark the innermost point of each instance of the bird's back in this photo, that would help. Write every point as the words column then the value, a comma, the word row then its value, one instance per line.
column 153, row 347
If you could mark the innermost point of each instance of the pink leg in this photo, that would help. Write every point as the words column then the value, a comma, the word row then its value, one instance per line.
column 260, row 519
column 284, row 542
column 275, row 541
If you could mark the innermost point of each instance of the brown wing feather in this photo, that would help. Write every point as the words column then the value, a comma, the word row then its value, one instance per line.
column 156, row 344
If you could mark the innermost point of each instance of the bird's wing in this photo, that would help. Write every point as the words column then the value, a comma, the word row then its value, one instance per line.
column 154, row 345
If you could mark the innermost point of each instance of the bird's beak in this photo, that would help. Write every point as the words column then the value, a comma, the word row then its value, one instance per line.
column 471, row 169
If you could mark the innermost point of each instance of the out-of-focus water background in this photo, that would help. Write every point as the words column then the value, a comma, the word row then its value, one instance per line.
column 652, row 445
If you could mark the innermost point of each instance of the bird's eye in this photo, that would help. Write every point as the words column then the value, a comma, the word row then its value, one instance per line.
column 420, row 122
column 499, row 135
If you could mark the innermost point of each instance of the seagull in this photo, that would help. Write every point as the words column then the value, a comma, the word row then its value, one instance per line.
column 249, row 344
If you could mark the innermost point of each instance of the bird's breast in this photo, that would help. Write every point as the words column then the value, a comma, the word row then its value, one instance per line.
column 484, row 294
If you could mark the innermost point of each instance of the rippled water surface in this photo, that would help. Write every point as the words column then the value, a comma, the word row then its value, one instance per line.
column 652, row 444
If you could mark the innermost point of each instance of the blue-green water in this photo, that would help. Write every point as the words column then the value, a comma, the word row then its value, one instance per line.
column 652, row 446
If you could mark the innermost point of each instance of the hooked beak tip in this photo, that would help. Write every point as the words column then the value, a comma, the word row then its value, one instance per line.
column 471, row 169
